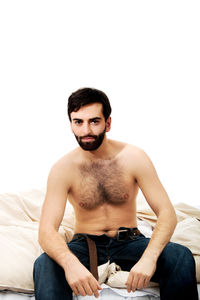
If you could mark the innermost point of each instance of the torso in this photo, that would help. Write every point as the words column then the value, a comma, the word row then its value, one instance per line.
column 103, row 194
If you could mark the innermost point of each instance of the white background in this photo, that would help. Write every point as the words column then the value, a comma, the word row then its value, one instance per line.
column 145, row 55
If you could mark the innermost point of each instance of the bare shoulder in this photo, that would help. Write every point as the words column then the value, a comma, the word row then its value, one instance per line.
column 132, row 149
column 66, row 161
column 137, row 158
column 63, row 169
column 135, row 153
column 131, row 154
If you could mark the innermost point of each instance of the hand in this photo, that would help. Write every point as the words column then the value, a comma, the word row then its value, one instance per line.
column 81, row 280
column 140, row 274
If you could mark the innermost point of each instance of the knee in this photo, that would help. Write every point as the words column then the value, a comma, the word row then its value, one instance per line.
column 40, row 260
column 185, row 255
column 180, row 257
column 43, row 262
column 49, row 279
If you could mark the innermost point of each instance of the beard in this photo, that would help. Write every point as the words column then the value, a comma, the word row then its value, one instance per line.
column 91, row 145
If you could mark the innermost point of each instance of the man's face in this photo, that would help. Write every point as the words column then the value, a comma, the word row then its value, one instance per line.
column 91, row 142
column 89, row 126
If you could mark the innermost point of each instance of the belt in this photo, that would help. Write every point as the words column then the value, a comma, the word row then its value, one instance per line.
column 123, row 234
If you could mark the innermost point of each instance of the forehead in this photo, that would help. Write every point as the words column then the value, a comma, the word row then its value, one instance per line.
column 89, row 111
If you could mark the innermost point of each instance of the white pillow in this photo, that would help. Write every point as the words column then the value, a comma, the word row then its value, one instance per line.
column 19, row 247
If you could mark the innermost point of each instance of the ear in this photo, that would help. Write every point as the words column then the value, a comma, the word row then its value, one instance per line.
column 108, row 124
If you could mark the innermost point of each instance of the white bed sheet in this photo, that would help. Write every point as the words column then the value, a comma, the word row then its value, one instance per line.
column 106, row 294
column 120, row 294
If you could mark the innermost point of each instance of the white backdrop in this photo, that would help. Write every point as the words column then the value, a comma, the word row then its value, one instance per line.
column 143, row 54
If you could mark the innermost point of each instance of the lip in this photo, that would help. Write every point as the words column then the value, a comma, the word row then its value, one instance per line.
column 87, row 139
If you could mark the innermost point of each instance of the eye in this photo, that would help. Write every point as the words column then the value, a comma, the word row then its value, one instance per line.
column 95, row 121
column 78, row 122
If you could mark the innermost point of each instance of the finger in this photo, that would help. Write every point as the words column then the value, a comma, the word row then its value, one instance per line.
column 96, row 294
column 95, row 287
column 81, row 290
column 128, row 283
column 134, row 283
column 88, row 289
column 99, row 287
column 146, row 282
column 140, row 284
column 75, row 290
column 131, row 282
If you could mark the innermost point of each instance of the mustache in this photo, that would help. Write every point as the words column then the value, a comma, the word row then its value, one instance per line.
column 87, row 136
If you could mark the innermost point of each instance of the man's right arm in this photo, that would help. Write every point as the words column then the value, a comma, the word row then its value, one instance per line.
column 79, row 278
column 52, row 214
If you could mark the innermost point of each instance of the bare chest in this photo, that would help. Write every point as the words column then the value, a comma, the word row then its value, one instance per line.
column 101, row 182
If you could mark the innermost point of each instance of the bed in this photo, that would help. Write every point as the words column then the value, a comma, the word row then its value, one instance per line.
column 19, row 219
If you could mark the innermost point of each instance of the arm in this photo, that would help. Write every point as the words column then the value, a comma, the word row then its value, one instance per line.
column 158, row 200
column 79, row 278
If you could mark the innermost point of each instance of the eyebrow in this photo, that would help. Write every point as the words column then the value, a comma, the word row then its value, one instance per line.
column 92, row 119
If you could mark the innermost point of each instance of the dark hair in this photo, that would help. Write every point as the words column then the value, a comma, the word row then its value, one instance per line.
column 86, row 96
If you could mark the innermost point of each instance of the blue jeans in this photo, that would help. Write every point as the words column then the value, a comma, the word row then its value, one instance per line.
column 175, row 271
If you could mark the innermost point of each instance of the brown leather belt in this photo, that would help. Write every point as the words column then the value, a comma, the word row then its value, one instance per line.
column 123, row 234
column 93, row 257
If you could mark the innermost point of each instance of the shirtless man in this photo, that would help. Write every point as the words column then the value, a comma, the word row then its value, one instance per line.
column 101, row 179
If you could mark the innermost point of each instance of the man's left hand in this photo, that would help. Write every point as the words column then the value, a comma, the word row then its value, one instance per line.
column 140, row 274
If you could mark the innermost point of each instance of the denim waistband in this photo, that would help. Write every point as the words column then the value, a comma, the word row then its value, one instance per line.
column 123, row 233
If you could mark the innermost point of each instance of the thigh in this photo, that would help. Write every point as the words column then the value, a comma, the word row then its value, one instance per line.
column 175, row 260
column 49, row 280
column 128, row 252
column 176, row 273
column 79, row 247
column 47, row 267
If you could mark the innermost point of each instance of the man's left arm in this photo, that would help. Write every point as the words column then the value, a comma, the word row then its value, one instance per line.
column 159, row 201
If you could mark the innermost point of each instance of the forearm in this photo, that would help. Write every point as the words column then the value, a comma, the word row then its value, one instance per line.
column 55, row 246
column 81, row 281
column 162, row 233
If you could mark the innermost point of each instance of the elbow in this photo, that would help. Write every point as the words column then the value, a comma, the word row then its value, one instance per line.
column 170, row 218
column 42, row 235
column 45, row 234
column 175, row 220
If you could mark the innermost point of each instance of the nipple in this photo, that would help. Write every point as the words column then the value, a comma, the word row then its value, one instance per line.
column 82, row 204
column 126, row 196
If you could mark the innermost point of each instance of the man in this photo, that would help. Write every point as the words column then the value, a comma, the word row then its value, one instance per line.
column 101, row 179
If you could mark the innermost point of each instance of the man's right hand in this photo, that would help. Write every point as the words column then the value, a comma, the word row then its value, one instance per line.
column 81, row 281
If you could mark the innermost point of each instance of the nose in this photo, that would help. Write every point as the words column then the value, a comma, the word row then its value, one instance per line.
column 86, row 130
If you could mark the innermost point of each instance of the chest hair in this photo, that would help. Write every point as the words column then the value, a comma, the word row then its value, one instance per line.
column 102, row 182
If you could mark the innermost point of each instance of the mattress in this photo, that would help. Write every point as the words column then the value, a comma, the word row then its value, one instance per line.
column 107, row 293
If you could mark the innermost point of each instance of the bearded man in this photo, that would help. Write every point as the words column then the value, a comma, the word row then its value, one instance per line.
column 101, row 179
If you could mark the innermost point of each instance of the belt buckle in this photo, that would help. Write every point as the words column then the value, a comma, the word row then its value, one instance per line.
column 122, row 234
